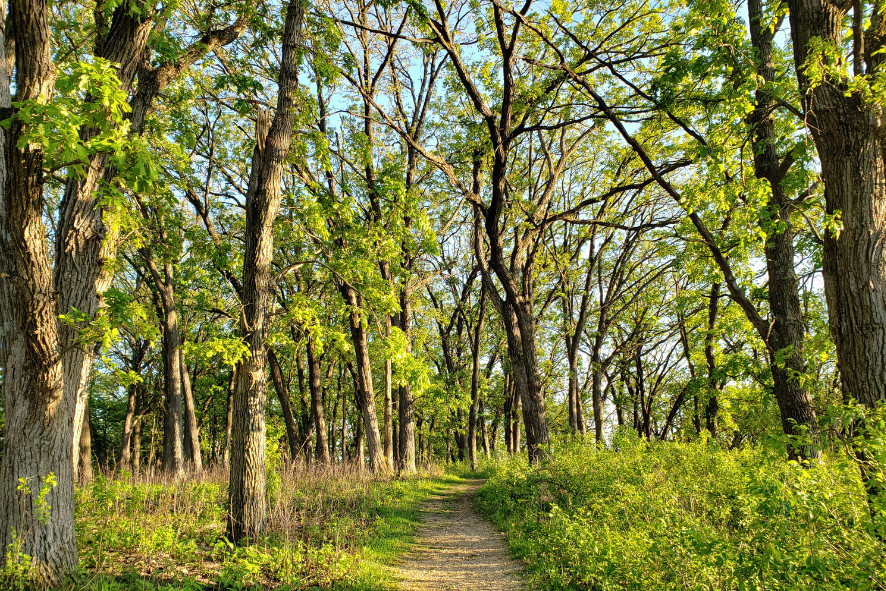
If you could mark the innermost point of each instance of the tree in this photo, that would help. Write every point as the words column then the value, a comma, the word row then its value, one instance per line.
column 33, row 387
column 247, row 509
column 843, row 115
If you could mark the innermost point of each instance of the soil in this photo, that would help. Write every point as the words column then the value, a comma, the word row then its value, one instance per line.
column 457, row 550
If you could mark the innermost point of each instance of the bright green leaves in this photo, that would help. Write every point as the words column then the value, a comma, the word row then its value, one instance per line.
column 87, row 116
column 409, row 370
column 87, row 96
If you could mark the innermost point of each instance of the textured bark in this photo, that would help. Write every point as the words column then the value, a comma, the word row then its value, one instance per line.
column 173, row 451
column 508, row 412
column 359, row 437
column 247, row 502
column 229, row 423
column 475, row 380
column 365, row 394
column 520, row 326
column 333, row 420
column 191, row 440
column 406, row 404
column 136, row 460
column 515, row 272
column 596, row 384
column 484, row 431
column 285, row 405
column 848, row 135
column 317, row 411
column 787, row 333
column 83, row 244
column 573, row 340
column 306, row 425
column 129, row 424
column 388, row 401
column 85, row 473
column 344, row 425
column 35, row 404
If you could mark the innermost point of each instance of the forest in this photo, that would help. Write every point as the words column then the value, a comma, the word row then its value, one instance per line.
column 281, row 281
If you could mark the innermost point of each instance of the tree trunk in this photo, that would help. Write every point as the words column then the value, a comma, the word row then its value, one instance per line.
column 285, row 405
column 136, row 459
column 35, row 404
column 84, row 243
column 713, row 405
column 365, row 393
column 787, row 333
column 475, row 380
column 229, row 422
column 484, row 431
column 406, row 405
column 247, row 502
column 520, row 326
column 317, row 410
column 193, row 454
column 333, row 420
column 306, row 424
column 359, row 437
column 848, row 136
column 596, row 388
column 388, row 403
column 128, row 429
column 344, row 423
column 173, row 453
column 85, row 473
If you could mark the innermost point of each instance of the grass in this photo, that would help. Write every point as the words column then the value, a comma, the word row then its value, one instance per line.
column 687, row 516
column 327, row 529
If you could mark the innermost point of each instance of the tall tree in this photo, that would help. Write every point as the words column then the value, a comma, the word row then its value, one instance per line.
column 844, row 117
column 36, row 407
column 247, row 502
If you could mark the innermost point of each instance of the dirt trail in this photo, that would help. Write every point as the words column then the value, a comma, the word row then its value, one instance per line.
column 457, row 550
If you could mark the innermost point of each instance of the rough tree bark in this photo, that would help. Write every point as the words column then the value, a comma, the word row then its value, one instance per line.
column 83, row 243
column 787, row 333
column 191, row 431
column 406, row 406
column 33, row 393
column 848, row 135
column 173, row 450
column 713, row 404
column 315, row 383
column 282, row 391
column 475, row 379
column 365, row 394
column 247, row 502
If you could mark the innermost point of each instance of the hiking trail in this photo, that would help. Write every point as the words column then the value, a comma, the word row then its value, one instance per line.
column 457, row 550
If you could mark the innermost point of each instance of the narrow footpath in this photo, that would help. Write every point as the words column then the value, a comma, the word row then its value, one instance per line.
column 457, row 550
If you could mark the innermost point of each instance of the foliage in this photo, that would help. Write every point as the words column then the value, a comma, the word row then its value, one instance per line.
column 333, row 529
column 687, row 516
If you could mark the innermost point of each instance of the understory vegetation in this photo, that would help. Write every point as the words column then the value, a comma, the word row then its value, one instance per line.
column 328, row 529
column 687, row 515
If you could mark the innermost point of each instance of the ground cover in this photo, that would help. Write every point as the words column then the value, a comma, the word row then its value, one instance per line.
column 687, row 516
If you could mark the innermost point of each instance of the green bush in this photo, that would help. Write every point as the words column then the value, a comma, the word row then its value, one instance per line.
column 686, row 516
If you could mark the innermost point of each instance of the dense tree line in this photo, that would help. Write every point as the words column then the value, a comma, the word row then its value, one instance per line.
column 431, row 231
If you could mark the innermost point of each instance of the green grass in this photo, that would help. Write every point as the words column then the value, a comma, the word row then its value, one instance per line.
column 331, row 530
column 687, row 516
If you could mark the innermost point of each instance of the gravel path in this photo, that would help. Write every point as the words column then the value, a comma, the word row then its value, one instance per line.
column 457, row 550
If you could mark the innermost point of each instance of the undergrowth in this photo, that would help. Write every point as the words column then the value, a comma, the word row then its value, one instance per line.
column 326, row 530
column 686, row 516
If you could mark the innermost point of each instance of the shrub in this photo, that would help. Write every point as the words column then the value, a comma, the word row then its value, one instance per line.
column 686, row 516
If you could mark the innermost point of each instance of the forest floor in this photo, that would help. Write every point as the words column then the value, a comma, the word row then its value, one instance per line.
column 456, row 549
